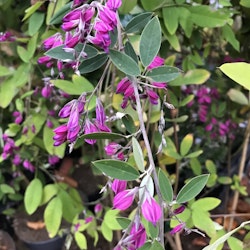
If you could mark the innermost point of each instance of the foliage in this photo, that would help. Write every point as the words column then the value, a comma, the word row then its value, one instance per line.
column 141, row 83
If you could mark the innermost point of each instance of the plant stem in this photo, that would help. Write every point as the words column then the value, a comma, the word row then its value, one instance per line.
column 240, row 173
column 150, row 158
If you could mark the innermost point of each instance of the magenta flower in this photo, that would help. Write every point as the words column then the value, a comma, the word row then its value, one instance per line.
column 159, row 85
column 89, row 128
column 60, row 134
column 100, row 113
column 88, row 219
column 28, row 165
column 179, row 210
column 114, row 4
column 123, row 85
column 151, row 210
column 53, row 159
column 98, row 208
column 17, row 160
column 153, row 97
column 178, row 228
column 139, row 236
column 112, row 148
column 118, row 186
column 158, row 61
column 124, row 199
column 18, row 117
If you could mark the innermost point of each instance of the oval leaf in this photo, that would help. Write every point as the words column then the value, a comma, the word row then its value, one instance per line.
column 237, row 96
column 80, row 240
column 165, row 187
column 163, row 73
column 138, row 155
column 186, row 144
column 53, row 216
column 124, row 63
column 150, row 41
column 192, row 188
column 33, row 196
column 137, row 23
column 239, row 72
column 103, row 135
column 92, row 64
column 117, row 169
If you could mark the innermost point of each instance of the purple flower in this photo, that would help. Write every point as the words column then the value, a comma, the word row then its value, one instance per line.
column 153, row 97
column 151, row 210
column 98, row 208
column 89, row 128
column 28, row 165
column 100, row 113
column 18, row 117
column 118, row 186
column 17, row 160
column 139, row 236
column 159, row 85
column 112, row 148
column 179, row 210
column 53, row 41
column 124, row 199
column 114, row 4
column 60, row 135
column 88, row 219
column 123, row 85
column 53, row 159
column 158, row 61
column 178, row 228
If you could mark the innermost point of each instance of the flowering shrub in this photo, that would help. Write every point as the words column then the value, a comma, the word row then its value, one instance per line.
column 103, row 74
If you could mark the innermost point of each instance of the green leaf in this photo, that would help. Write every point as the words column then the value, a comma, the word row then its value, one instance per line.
column 171, row 18
column 49, row 191
column 4, row 71
column 194, row 154
column 239, row 72
column 206, row 204
column 195, row 76
column 106, row 231
column 23, row 54
column 202, row 221
column 137, row 23
column 53, row 216
column 33, row 196
column 93, row 63
column 150, row 5
column 156, row 246
column 210, row 166
column 129, row 50
column 165, row 187
column 225, row 237
column 147, row 182
column 195, row 166
column 138, row 155
column 229, row 35
column 110, row 219
column 186, row 144
column 192, row 188
column 79, row 85
column 32, row 9
column 129, row 123
column 163, row 73
column 6, row 189
column 35, row 23
column 81, row 240
column 57, row 17
column 237, row 96
column 117, row 169
column 172, row 39
column 127, row 6
column 124, row 222
column 146, row 246
column 234, row 243
column 103, row 135
column 245, row 3
column 150, row 41
column 225, row 180
column 205, row 16
column 124, row 63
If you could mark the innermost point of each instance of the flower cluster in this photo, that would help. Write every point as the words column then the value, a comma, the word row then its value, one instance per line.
column 85, row 23
column 73, row 110
column 125, row 87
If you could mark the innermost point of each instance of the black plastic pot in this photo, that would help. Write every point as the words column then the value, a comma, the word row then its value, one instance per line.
column 51, row 244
